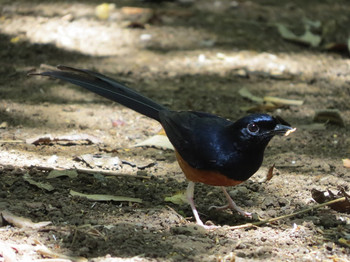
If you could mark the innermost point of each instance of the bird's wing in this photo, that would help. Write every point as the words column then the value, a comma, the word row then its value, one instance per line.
column 193, row 134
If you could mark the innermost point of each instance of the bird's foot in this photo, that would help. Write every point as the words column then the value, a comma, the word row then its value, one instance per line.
column 209, row 227
column 232, row 205
column 205, row 226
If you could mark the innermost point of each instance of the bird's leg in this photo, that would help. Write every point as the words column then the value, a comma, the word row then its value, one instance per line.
column 189, row 195
column 231, row 204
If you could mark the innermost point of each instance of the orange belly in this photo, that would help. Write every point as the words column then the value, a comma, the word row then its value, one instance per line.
column 208, row 177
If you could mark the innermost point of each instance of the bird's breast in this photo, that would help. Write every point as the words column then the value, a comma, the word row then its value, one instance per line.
column 209, row 177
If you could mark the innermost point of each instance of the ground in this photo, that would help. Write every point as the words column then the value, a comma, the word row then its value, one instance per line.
column 187, row 55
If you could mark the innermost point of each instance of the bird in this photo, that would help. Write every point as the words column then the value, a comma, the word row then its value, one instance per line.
column 209, row 149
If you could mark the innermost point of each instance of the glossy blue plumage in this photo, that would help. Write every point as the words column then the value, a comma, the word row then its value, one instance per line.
column 203, row 140
column 218, row 144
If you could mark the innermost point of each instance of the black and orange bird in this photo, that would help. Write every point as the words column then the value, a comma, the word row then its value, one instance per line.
column 210, row 149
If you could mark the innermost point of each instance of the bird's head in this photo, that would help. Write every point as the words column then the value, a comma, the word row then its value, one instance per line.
column 260, row 128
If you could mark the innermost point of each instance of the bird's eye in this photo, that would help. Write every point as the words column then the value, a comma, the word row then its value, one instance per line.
column 253, row 128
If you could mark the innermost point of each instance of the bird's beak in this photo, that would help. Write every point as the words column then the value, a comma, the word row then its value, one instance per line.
column 283, row 130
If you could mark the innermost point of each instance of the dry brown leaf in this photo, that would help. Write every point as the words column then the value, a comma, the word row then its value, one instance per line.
column 325, row 196
column 269, row 174
column 69, row 139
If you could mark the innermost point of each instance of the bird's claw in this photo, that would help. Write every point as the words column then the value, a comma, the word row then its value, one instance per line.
column 218, row 207
column 232, row 207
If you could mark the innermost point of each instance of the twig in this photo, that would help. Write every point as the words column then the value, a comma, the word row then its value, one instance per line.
column 83, row 170
column 105, row 172
column 262, row 222
column 11, row 141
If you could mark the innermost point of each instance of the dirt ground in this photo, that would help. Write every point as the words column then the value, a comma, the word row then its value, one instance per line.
column 187, row 55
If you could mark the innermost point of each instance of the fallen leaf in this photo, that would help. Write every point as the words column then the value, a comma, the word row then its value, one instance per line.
column 22, row 222
column 60, row 173
column 3, row 125
column 325, row 196
column 244, row 92
column 98, row 197
column 267, row 103
column 44, row 139
column 41, row 185
column 71, row 139
column 269, row 174
column 329, row 116
column 156, row 141
column 345, row 242
column 283, row 101
column 102, row 161
column 46, row 252
column 308, row 38
column 177, row 199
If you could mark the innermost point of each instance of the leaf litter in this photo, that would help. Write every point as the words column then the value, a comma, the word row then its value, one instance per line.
column 41, row 185
column 266, row 103
column 102, row 197
column 326, row 196
column 68, row 139
column 22, row 222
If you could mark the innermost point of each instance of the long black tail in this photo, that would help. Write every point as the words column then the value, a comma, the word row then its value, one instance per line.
column 108, row 88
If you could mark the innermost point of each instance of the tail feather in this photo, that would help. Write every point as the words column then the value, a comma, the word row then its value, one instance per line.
column 108, row 88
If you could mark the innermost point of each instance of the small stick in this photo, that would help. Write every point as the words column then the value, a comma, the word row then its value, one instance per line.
column 11, row 141
column 105, row 172
column 256, row 224
column 84, row 171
